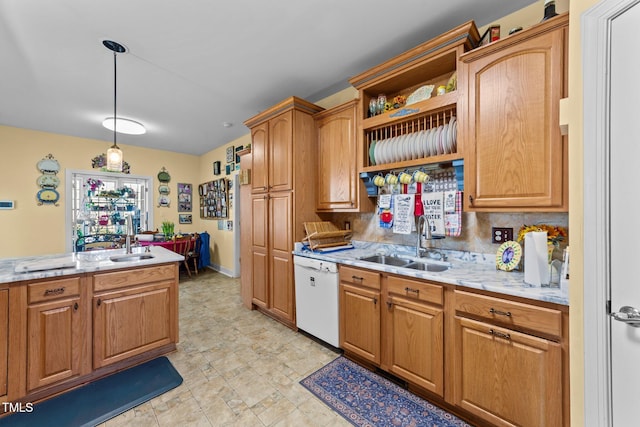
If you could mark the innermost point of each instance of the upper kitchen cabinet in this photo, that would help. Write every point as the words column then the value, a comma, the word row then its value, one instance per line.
column 275, row 134
column 411, row 135
column 515, row 155
column 338, row 187
column 283, row 175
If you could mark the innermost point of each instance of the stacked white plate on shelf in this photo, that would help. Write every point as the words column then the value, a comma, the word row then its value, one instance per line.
column 416, row 145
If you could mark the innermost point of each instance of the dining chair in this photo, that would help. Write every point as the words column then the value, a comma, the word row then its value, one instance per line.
column 193, row 254
column 182, row 246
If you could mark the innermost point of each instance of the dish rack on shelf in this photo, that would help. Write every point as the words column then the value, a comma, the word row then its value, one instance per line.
column 324, row 234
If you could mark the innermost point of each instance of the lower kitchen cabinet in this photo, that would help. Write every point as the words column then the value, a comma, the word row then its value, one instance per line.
column 129, row 320
column 52, row 333
column 58, row 344
column 414, row 333
column 360, row 313
column 4, row 343
column 491, row 358
column 506, row 377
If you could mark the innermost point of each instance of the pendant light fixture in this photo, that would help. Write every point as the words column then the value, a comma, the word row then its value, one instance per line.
column 114, row 153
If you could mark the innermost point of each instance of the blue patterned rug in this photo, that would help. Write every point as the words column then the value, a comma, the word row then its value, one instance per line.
column 367, row 399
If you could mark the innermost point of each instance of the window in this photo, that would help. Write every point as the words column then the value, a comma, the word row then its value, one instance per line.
column 98, row 204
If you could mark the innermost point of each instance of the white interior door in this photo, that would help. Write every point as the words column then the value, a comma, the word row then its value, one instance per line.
column 611, row 132
column 625, row 208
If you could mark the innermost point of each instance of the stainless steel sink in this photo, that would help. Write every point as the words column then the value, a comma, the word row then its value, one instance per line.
column 427, row 266
column 387, row 260
column 131, row 257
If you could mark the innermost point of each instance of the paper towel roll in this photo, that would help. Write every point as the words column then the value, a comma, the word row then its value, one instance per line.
column 536, row 267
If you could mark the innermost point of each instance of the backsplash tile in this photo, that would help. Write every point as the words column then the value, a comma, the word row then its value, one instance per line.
column 476, row 229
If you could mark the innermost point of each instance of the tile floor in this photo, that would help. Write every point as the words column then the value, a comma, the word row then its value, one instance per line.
column 240, row 368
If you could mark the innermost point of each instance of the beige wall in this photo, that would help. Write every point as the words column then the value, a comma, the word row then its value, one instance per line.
column 222, row 241
column 37, row 230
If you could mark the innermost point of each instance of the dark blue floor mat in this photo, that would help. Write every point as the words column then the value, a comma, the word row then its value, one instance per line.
column 101, row 400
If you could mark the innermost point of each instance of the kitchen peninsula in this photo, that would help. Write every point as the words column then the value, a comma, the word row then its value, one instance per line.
column 73, row 318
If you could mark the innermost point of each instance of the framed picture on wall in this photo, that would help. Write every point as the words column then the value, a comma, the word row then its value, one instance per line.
column 184, row 197
column 229, row 168
column 185, row 218
column 238, row 150
column 230, row 154
column 216, row 167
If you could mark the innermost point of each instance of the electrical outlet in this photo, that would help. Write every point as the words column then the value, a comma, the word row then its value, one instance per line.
column 501, row 234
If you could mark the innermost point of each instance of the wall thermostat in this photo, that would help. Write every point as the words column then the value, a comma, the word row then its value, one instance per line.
column 7, row 204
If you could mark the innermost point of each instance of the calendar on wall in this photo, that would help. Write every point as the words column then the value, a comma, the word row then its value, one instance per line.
column 214, row 199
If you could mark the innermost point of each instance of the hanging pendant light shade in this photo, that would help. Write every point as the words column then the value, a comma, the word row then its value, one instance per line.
column 114, row 153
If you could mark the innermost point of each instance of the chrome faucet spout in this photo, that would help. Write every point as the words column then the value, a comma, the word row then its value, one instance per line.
column 129, row 231
column 424, row 233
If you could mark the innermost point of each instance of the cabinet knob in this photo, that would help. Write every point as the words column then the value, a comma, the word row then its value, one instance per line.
column 75, row 307
column 99, row 302
column 375, row 301
column 470, row 199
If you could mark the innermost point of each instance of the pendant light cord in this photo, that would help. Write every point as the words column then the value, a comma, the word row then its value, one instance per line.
column 115, row 97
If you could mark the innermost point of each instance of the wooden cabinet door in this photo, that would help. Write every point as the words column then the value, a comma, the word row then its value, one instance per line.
column 514, row 155
column 281, row 283
column 260, row 250
column 131, row 321
column 4, row 341
column 338, row 179
column 506, row 377
column 416, row 341
column 360, row 322
column 281, row 152
column 259, row 158
column 55, row 341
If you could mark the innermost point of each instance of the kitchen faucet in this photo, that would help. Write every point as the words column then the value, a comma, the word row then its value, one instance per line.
column 129, row 232
column 424, row 230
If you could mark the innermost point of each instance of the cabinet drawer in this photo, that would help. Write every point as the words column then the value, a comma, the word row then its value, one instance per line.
column 421, row 291
column 510, row 313
column 356, row 276
column 120, row 279
column 53, row 289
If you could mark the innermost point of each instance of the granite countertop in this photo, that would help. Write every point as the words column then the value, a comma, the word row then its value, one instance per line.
column 47, row 266
column 469, row 270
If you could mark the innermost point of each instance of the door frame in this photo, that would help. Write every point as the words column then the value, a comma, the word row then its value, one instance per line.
column 596, row 64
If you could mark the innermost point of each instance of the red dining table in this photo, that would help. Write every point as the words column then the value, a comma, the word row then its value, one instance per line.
column 167, row 244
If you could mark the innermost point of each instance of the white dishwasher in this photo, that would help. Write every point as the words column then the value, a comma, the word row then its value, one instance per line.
column 317, row 298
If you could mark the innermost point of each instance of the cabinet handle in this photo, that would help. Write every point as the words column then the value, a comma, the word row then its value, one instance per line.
column 500, row 313
column 416, row 291
column 75, row 307
column 470, row 199
column 390, row 304
column 99, row 302
column 375, row 301
column 357, row 278
column 500, row 334
column 54, row 291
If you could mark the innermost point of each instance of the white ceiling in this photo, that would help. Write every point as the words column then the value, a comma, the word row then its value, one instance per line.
column 194, row 64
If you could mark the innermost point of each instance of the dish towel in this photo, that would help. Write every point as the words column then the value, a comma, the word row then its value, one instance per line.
column 403, row 213
column 434, row 210
column 385, row 209
column 453, row 213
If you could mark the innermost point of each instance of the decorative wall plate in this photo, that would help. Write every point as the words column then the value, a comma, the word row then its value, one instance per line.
column 163, row 175
column 49, row 165
column 47, row 196
column 164, row 201
column 508, row 256
column 48, row 180
column 164, row 189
